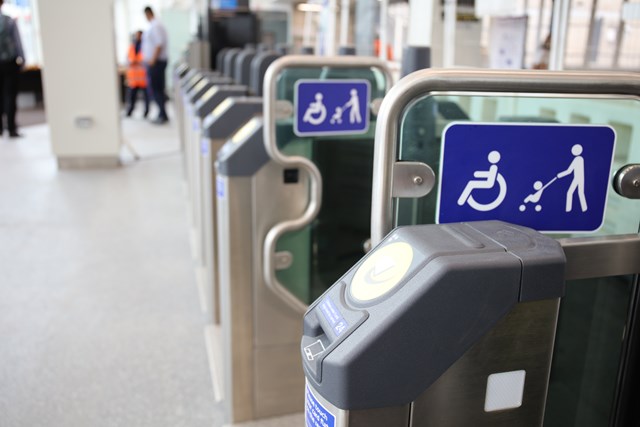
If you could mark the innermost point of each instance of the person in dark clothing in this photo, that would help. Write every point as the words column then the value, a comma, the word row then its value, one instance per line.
column 154, row 52
column 11, row 61
column 137, row 75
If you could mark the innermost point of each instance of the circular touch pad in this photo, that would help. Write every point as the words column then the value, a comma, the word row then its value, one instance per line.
column 382, row 271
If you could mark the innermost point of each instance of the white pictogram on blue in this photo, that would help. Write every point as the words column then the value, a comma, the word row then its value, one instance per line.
column 549, row 177
column 331, row 107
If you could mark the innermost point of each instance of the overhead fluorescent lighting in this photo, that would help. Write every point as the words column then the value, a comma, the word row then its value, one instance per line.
column 309, row 7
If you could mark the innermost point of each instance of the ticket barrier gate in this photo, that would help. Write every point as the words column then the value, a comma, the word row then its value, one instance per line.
column 185, row 85
column 436, row 326
column 192, row 92
column 193, row 79
column 202, row 107
column 179, row 73
column 220, row 59
column 445, row 325
column 217, row 127
column 259, row 67
column 259, row 188
column 242, row 66
column 229, row 62
column 180, row 90
column 594, row 365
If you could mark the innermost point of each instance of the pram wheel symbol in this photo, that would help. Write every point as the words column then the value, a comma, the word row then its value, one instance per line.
column 490, row 206
column 534, row 198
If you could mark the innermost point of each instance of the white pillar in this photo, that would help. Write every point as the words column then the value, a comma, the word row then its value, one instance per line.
column 384, row 39
column 330, row 36
column 420, row 22
column 344, row 22
column 559, row 27
column 449, row 34
column 81, row 82
column 308, row 28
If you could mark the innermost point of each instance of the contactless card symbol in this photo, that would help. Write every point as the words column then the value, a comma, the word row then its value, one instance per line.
column 381, row 271
column 313, row 350
column 331, row 107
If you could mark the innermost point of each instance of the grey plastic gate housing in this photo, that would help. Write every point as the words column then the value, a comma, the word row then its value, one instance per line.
column 240, row 110
column 210, row 100
column 259, row 66
column 245, row 153
column 462, row 279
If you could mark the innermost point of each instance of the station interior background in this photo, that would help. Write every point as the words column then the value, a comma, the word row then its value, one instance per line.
column 99, row 304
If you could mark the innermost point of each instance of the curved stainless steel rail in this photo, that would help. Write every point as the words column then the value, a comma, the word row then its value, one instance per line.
column 269, row 113
column 422, row 83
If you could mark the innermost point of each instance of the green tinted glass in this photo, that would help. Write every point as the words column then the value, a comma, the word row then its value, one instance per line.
column 593, row 313
column 334, row 241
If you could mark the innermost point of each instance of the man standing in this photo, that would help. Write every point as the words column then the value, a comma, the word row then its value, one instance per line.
column 154, row 52
column 11, row 60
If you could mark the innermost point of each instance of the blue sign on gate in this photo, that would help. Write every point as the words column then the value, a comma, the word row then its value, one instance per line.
column 331, row 107
column 553, row 178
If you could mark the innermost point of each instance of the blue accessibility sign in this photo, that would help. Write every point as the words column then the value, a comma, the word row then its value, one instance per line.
column 331, row 107
column 550, row 177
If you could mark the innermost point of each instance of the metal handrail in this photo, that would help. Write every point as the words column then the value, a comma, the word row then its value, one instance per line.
column 606, row 256
column 424, row 82
column 269, row 114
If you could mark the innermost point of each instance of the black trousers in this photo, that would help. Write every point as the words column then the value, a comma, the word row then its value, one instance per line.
column 8, row 94
column 133, row 96
column 155, row 76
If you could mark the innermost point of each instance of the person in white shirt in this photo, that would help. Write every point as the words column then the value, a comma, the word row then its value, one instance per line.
column 154, row 53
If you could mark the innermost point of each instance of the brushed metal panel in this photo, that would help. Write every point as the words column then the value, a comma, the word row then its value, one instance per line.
column 274, row 201
column 236, row 297
column 396, row 416
column 209, row 221
column 188, row 148
column 279, row 381
column 522, row 340
column 208, row 230
column 589, row 257
column 196, row 200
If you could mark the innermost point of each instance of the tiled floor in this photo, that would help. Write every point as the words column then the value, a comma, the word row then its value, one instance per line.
column 100, row 323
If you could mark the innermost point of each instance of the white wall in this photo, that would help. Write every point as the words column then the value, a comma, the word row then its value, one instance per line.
column 80, row 77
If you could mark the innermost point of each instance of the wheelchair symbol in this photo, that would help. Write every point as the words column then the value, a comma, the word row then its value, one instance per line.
column 488, row 179
column 316, row 112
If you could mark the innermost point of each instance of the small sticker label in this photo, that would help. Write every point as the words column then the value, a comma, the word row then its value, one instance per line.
column 220, row 187
column 317, row 415
column 333, row 316
column 196, row 124
column 204, row 147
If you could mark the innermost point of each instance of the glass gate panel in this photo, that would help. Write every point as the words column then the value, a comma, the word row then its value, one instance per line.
column 335, row 240
column 594, row 312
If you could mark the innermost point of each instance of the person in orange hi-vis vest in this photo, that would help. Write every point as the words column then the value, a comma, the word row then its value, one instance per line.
column 137, row 75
